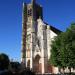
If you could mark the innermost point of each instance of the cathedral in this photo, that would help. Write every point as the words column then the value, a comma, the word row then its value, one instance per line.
column 36, row 39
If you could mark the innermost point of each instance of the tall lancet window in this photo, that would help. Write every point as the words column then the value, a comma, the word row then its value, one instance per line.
column 38, row 43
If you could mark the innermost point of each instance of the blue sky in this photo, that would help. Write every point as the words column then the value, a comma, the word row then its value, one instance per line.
column 59, row 13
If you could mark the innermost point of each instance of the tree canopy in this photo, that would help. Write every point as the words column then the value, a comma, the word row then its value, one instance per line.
column 4, row 61
column 63, row 49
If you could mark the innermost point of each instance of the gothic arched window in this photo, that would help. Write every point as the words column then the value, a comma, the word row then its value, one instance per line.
column 30, row 12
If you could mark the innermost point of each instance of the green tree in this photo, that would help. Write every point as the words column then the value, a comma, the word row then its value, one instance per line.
column 63, row 49
column 55, row 52
column 4, row 61
column 70, row 46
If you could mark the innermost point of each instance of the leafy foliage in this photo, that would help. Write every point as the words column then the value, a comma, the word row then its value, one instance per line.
column 63, row 49
column 4, row 61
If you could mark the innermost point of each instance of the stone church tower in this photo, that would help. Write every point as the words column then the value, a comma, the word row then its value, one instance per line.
column 36, row 38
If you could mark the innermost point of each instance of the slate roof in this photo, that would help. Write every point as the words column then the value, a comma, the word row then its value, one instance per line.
column 55, row 30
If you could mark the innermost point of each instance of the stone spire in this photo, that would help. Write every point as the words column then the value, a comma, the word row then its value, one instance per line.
column 33, row 1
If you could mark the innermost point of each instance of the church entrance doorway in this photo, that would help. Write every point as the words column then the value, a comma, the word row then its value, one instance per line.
column 37, row 64
column 28, row 64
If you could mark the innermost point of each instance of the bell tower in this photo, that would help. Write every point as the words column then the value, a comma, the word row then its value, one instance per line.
column 30, row 14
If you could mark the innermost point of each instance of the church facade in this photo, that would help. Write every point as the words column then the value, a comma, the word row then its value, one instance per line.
column 36, row 39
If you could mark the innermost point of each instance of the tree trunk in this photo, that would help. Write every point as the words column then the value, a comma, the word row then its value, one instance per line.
column 59, row 70
column 70, row 70
column 63, row 70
